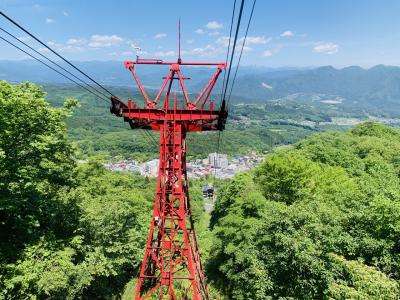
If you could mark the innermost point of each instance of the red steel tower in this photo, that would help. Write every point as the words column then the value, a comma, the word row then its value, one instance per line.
column 171, row 267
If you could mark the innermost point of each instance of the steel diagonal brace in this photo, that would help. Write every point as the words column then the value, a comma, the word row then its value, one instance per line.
column 139, row 84
column 188, row 103
column 170, row 75
column 208, row 87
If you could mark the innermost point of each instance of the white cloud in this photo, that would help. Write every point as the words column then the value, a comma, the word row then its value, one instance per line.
column 213, row 25
column 223, row 40
column 245, row 49
column 216, row 48
column 24, row 38
column 135, row 47
column 49, row 20
column 43, row 50
column 94, row 42
column 164, row 53
column 326, row 48
column 76, row 42
column 190, row 41
column 250, row 40
column 71, row 48
column 113, row 53
column 107, row 38
column 65, row 14
column 267, row 53
column 266, row 85
column 160, row 35
column 102, row 41
column 255, row 40
column 127, row 53
column 208, row 50
column 287, row 33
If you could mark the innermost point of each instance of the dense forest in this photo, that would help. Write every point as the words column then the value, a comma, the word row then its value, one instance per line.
column 97, row 132
column 67, row 230
column 318, row 220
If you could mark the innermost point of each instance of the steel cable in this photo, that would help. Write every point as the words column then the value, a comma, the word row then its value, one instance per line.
column 68, row 62
column 55, row 70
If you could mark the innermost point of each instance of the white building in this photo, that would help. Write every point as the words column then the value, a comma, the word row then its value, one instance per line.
column 218, row 160
column 151, row 167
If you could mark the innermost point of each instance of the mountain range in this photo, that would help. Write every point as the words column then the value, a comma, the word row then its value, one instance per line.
column 378, row 86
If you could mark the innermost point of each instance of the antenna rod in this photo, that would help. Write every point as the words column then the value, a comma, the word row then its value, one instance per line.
column 179, row 40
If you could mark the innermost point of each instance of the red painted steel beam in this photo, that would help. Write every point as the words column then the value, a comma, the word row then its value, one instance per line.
column 172, row 259
column 160, row 62
column 179, row 115
column 140, row 86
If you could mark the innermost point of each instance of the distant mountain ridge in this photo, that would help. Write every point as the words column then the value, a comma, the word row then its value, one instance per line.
column 114, row 73
column 376, row 86
column 382, row 82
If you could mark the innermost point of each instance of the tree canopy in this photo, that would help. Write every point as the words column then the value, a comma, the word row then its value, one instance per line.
column 317, row 221
column 68, row 231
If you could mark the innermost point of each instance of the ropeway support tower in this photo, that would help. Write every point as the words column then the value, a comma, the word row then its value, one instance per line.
column 171, row 266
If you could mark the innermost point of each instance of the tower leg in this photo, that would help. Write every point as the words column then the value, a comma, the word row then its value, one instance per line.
column 171, row 267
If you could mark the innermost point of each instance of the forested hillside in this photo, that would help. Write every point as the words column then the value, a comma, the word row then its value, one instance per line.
column 67, row 231
column 318, row 220
column 268, row 124
column 97, row 132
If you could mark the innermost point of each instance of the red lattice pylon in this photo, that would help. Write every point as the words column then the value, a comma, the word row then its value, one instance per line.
column 171, row 267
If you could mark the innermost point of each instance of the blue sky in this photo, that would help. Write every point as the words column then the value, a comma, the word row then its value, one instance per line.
column 283, row 33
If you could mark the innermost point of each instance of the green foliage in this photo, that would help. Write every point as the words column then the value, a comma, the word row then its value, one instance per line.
column 71, row 103
column 67, row 231
column 319, row 220
column 287, row 178
column 96, row 131
column 355, row 280
column 37, row 168
column 323, row 222
column 104, row 250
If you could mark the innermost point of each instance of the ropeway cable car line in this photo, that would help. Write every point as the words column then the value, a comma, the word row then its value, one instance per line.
column 52, row 61
column 50, row 67
column 54, row 52
column 61, row 71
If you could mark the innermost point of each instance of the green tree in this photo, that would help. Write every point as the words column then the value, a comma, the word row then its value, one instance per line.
column 37, row 168
column 68, row 231
column 322, row 224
